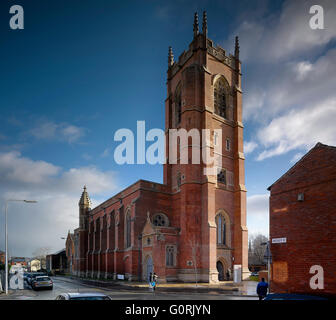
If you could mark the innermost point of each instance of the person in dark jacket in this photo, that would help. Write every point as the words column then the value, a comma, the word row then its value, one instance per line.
column 262, row 289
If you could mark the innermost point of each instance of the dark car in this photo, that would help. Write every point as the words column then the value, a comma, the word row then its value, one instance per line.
column 42, row 282
column 292, row 296
column 28, row 278
column 25, row 276
column 32, row 276
column 83, row 296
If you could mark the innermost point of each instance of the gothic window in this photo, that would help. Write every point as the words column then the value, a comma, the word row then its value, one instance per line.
column 220, row 97
column 170, row 256
column 160, row 220
column 178, row 105
column 128, row 230
column 221, row 229
column 221, row 176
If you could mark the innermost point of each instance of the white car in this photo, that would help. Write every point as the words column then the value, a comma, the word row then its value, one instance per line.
column 83, row 296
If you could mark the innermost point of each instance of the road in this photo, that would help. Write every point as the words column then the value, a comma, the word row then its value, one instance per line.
column 68, row 285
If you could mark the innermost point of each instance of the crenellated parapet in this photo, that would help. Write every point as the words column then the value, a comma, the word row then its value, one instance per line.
column 220, row 54
column 201, row 41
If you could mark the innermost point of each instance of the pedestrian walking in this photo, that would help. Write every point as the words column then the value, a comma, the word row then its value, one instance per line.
column 154, row 280
column 150, row 281
column 262, row 288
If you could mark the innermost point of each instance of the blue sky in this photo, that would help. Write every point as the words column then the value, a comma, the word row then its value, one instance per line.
column 79, row 71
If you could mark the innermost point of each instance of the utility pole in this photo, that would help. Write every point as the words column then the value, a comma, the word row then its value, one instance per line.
column 6, row 238
column 268, row 256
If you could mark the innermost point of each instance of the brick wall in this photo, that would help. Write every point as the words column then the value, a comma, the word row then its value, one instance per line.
column 308, row 225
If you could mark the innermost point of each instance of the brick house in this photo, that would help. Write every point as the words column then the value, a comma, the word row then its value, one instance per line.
column 303, row 223
column 18, row 261
column 193, row 224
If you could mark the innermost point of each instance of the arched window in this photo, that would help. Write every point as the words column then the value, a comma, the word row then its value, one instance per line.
column 178, row 105
column 128, row 230
column 220, row 92
column 170, row 256
column 221, row 229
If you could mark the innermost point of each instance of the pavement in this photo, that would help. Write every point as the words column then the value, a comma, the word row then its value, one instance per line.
column 137, row 291
column 243, row 288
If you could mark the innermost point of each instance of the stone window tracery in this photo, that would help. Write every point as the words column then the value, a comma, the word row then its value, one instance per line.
column 221, row 229
column 220, row 93
column 160, row 220
column 170, row 256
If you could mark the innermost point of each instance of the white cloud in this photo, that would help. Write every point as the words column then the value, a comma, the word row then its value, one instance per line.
column 57, row 191
column 105, row 153
column 299, row 129
column 303, row 69
column 250, row 146
column 275, row 37
column 290, row 92
column 60, row 132
column 258, row 214
column 297, row 157
column 72, row 133
column 15, row 169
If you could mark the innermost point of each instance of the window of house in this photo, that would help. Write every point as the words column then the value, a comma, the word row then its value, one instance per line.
column 221, row 176
column 170, row 256
column 221, row 229
column 220, row 97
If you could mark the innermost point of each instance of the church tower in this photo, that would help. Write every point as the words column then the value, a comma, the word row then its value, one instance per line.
column 81, row 234
column 204, row 92
column 84, row 208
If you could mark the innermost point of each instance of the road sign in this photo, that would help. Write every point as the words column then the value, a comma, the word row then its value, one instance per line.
column 279, row 240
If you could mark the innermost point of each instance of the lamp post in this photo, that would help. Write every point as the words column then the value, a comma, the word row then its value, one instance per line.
column 6, row 237
column 268, row 256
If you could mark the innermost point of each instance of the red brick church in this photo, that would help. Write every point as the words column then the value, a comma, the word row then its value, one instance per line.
column 193, row 225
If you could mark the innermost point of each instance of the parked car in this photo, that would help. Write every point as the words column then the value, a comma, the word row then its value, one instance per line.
column 32, row 276
column 40, row 282
column 255, row 274
column 292, row 296
column 83, row 296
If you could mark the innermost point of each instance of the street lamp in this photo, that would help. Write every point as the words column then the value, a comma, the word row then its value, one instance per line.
column 268, row 256
column 6, row 237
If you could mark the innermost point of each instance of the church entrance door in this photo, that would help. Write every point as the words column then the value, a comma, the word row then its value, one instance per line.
column 149, row 267
column 220, row 270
